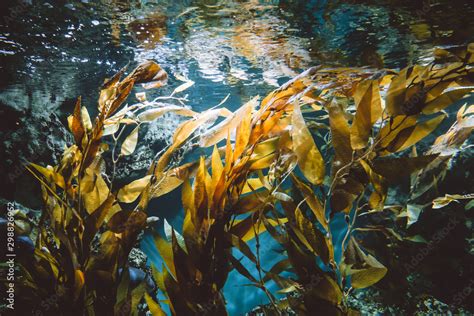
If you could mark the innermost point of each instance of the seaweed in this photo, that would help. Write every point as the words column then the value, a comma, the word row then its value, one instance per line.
column 320, row 151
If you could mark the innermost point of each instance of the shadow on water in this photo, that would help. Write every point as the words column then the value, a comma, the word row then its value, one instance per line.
column 53, row 51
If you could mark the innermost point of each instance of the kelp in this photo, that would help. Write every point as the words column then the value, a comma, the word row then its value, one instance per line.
column 322, row 149
column 368, row 129
column 85, row 236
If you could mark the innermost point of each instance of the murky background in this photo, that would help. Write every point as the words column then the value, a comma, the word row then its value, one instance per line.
column 53, row 51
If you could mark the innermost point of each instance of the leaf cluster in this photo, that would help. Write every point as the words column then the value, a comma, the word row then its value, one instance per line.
column 322, row 149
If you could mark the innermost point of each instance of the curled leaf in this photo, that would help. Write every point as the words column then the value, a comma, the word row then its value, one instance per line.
column 448, row 198
column 76, row 123
column 364, row 269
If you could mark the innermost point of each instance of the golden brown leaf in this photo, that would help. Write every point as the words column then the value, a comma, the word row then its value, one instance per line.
column 130, row 143
column 340, row 135
column 75, row 123
column 94, row 189
column 446, row 99
column 131, row 191
column 153, row 114
column 412, row 135
column 312, row 200
column 369, row 110
column 220, row 131
column 309, row 158
column 153, row 306
column 243, row 133
column 364, row 269
column 311, row 236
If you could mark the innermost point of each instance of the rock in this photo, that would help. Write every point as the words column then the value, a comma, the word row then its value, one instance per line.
column 432, row 306
column 369, row 302
column 137, row 258
column 153, row 138
column 36, row 137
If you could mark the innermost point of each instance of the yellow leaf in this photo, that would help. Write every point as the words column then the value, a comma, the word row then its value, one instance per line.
column 446, row 99
column 130, row 143
column 363, row 268
column 220, row 131
column 131, row 191
column 75, row 123
column 110, row 129
column 200, row 193
column 86, row 119
column 312, row 201
column 153, row 306
column 397, row 91
column 243, row 133
column 228, row 155
column 78, row 282
column 153, row 114
column 391, row 129
column 369, row 110
column 250, row 234
column 251, row 202
column 448, row 198
column 263, row 162
column 311, row 236
column 170, row 180
column 183, row 87
column 363, row 278
column 266, row 147
column 147, row 71
column 187, row 128
column 50, row 175
column 94, row 189
column 252, row 184
column 309, row 158
column 412, row 135
column 378, row 196
column 217, row 167
column 340, row 135
column 166, row 252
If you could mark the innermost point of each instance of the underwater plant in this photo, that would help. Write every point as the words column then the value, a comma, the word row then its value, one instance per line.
column 369, row 122
column 79, row 261
column 317, row 154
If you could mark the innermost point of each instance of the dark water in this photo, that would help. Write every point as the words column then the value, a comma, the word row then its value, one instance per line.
column 53, row 51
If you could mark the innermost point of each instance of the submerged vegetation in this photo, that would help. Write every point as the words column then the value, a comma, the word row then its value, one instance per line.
column 311, row 165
